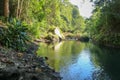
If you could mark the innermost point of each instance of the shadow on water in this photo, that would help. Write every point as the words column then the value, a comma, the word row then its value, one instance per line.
column 82, row 61
column 108, row 59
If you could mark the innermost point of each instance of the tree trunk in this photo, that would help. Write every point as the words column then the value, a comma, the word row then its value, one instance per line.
column 1, row 7
column 18, row 9
column 6, row 8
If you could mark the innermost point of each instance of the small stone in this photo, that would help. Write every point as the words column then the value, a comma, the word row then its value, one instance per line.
column 4, row 60
column 20, row 54
column 38, row 69
column 21, row 78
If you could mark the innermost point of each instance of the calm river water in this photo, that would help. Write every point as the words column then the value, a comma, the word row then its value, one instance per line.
column 82, row 61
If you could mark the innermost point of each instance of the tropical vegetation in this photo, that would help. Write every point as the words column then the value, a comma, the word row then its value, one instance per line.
column 104, row 25
column 22, row 21
column 35, row 19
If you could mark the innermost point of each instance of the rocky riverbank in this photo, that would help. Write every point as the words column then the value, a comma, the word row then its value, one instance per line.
column 25, row 66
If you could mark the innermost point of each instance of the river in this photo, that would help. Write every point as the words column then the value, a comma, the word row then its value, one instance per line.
column 82, row 61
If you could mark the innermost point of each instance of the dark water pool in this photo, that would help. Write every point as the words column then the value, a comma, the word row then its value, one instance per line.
column 82, row 61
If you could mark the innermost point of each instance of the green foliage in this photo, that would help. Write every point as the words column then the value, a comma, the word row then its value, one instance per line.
column 59, row 13
column 35, row 10
column 104, row 24
column 34, row 30
column 70, row 18
column 15, row 35
column 39, row 18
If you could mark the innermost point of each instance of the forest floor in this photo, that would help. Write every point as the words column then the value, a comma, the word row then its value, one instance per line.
column 25, row 66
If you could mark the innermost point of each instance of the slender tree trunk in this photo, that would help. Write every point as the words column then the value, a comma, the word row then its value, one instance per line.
column 18, row 9
column 6, row 8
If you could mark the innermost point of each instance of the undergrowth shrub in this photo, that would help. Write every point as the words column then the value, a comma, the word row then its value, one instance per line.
column 15, row 35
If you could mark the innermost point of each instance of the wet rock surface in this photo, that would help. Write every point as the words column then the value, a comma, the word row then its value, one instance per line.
column 25, row 66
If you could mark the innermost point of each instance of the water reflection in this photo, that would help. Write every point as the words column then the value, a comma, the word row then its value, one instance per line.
column 82, row 61
column 60, row 54
column 81, row 69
